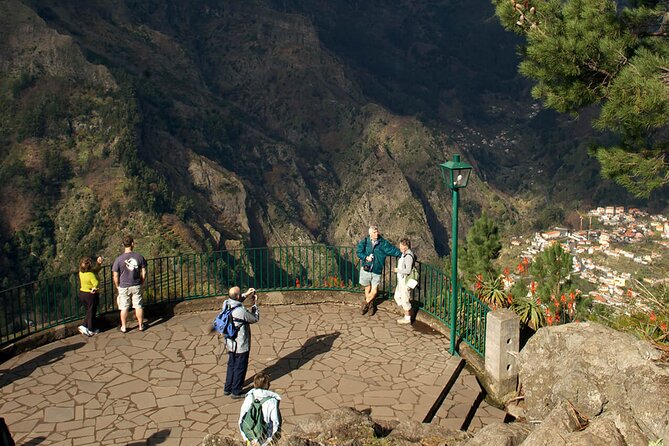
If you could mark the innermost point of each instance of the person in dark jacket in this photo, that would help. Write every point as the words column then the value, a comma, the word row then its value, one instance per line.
column 372, row 252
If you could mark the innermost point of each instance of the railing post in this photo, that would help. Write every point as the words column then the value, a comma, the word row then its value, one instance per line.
column 502, row 342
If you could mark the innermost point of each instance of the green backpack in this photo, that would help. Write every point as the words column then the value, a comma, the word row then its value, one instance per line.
column 253, row 423
column 414, row 274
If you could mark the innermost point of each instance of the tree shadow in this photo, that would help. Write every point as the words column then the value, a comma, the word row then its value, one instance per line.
column 24, row 370
column 315, row 345
column 157, row 438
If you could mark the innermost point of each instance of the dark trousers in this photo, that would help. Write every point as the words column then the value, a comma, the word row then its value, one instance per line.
column 5, row 435
column 90, row 302
column 238, row 363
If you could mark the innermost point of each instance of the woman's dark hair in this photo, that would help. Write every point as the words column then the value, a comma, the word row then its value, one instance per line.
column 85, row 264
column 406, row 242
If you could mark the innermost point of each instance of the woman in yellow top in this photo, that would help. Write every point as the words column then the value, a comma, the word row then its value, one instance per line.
column 88, row 293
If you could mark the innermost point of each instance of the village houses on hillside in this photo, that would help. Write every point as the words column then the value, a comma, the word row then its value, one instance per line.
column 620, row 227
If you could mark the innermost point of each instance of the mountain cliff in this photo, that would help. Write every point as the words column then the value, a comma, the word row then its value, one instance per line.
column 216, row 125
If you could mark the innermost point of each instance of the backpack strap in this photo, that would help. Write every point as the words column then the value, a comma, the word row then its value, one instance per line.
column 234, row 319
column 262, row 401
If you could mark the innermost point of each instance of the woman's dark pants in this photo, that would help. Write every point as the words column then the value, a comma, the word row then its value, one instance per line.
column 90, row 302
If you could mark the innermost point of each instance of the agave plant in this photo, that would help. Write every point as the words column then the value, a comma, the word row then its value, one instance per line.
column 492, row 293
column 529, row 311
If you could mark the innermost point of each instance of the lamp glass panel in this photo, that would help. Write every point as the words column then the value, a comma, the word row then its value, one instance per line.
column 460, row 177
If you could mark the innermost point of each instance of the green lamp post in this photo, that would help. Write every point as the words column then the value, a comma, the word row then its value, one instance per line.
column 456, row 176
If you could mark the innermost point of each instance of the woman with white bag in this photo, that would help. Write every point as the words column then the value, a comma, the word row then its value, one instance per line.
column 405, row 284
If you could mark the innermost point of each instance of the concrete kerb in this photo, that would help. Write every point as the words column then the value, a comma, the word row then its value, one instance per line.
column 475, row 363
column 168, row 309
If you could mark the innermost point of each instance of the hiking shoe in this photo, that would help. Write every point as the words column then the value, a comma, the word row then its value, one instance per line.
column 404, row 321
column 365, row 307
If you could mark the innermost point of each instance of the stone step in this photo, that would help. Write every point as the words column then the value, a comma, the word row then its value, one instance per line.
column 448, row 385
column 464, row 407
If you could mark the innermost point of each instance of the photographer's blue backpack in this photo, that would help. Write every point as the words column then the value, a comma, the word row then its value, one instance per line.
column 225, row 323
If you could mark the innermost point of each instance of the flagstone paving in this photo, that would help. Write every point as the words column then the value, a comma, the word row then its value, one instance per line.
column 165, row 385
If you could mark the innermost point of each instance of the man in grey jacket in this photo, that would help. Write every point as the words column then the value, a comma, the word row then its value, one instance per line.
column 238, row 348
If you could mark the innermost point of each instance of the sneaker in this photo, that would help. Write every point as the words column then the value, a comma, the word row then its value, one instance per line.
column 365, row 307
column 404, row 321
column 84, row 331
column 226, row 393
column 96, row 331
column 237, row 397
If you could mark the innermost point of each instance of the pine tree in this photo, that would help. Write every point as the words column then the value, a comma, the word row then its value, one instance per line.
column 482, row 247
column 551, row 270
column 584, row 52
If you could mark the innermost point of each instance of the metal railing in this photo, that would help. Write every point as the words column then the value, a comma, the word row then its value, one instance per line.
column 433, row 296
column 47, row 303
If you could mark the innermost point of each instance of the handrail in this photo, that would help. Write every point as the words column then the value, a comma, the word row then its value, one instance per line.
column 47, row 303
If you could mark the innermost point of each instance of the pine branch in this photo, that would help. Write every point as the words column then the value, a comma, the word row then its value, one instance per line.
column 651, row 34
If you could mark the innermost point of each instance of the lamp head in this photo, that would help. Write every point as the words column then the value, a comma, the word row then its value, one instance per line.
column 456, row 173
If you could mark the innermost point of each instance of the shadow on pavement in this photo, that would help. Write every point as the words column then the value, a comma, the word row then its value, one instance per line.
column 24, row 370
column 315, row 345
column 34, row 442
column 157, row 438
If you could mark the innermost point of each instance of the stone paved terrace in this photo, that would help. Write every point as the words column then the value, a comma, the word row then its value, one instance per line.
column 164, row 385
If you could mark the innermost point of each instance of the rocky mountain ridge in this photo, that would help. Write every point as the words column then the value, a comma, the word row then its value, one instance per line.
column 215, row 124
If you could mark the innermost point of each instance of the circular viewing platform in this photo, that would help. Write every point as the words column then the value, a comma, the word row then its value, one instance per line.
column 165, row 385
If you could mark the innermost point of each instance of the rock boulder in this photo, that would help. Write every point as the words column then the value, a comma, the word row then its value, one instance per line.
column 604, row 374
